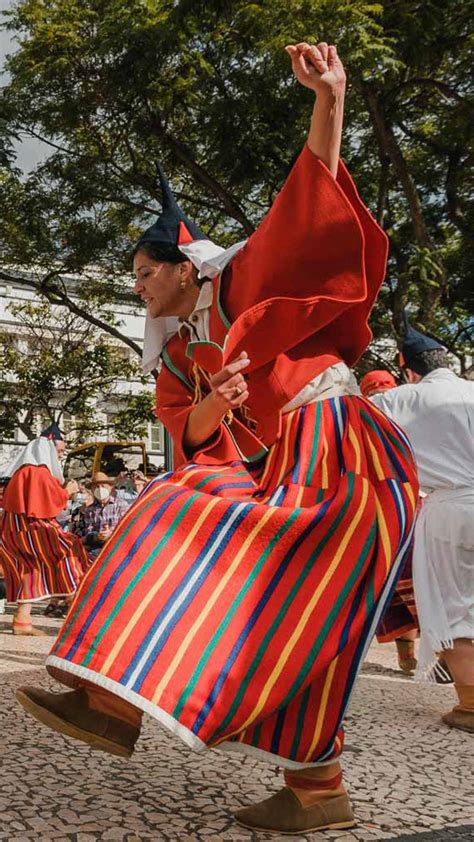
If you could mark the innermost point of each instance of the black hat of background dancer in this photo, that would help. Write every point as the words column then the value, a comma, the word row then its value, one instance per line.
column 172, row 228
column 53, row 433
column 415, row 343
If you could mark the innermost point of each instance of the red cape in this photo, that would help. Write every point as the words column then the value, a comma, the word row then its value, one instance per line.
column 34, row 492
column 296, row 298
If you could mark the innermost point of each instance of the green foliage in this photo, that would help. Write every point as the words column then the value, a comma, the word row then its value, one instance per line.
column 57, row 365
column 206, row 87
column 131, row 420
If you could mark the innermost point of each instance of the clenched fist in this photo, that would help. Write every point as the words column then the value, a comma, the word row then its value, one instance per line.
column 318, row 68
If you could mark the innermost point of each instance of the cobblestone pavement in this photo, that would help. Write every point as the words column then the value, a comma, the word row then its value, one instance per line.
column 407, row 773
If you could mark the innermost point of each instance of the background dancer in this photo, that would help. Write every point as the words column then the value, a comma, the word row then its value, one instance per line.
column 39, row 559
column 436, row 408
column 377, row 381
column 237, row 597
column 400, row 622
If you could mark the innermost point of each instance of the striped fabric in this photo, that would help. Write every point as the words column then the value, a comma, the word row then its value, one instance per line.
column 236, row 607
column 401, row 615
column 39, row 559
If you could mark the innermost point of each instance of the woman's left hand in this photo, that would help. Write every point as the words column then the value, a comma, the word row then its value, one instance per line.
column 318, row 68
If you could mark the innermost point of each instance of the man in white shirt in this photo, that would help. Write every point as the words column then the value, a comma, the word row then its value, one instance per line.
column 436, row 410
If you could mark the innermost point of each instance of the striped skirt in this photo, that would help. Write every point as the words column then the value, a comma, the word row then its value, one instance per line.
column 401, row 615
column 39, row 559
column 235, row 607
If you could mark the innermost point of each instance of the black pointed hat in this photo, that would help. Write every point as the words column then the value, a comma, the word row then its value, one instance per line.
column 53, row 433
column 172, row 228
column 416, row 342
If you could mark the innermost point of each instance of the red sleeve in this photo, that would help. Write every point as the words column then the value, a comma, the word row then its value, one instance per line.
column 34, row 492
column 174, row 402
column 317, row 253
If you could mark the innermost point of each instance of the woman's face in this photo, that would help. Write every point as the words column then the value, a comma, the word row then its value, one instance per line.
column 89, row 497
column 162, row 286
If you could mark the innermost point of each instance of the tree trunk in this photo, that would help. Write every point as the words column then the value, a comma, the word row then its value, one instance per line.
column 389, row 147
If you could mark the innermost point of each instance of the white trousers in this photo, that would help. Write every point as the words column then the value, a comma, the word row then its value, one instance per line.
column 443, row 572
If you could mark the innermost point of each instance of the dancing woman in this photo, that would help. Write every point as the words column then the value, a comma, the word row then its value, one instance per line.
column 235, row 601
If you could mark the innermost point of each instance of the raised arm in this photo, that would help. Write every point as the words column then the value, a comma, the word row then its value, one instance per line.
column 318, row 253
column 320, row 69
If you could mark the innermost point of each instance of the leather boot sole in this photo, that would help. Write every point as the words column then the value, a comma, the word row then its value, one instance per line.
column 283, row 814
column 468, row 728
column 408, row 666
column 331, row 826
column 46, row 717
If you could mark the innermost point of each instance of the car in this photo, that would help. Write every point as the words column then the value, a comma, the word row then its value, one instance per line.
column 110, row 457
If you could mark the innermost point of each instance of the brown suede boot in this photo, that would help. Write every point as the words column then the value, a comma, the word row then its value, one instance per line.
column 70, row 714
column 284, row 814
column 462, row 715
column 406, row 655
column 459, row 718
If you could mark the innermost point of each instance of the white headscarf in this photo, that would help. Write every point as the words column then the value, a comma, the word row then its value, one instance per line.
column 40, row 451
column 209, row 260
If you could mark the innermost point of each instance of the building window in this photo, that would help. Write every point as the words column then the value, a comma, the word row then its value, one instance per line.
column 156, row 437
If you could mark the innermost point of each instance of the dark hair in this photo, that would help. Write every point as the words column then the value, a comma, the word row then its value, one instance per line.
column 166, row 253
column 160, row 252
column 427, row 361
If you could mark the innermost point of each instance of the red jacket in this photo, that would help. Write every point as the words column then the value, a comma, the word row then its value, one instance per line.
column 34, row 492
column 296, row 298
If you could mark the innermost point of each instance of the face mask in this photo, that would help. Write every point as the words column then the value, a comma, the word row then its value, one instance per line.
column 80, row 498
column 102, row 494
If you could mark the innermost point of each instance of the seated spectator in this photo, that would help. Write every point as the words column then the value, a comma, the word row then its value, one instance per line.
column 97, row 521
column 82, row 500
column 75, row 503
column 133, row 486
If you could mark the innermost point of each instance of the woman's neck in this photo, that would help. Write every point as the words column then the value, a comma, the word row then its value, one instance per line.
column 189, row 301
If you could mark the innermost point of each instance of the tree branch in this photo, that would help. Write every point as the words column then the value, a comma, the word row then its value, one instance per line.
column 389, row 148
column 200, row 175
column 434, row 143
column 57, row 296
column 454, row 202
column 382, row 189
column 425, row 82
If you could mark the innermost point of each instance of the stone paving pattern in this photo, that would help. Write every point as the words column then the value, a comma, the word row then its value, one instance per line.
column 407, row 773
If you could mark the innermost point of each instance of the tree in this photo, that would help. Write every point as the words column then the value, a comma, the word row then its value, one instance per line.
column 206, row 87
column 56, row 365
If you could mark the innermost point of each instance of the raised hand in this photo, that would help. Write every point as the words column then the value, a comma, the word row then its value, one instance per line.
column 229, row 386
column 318, row 68
column 71, row 487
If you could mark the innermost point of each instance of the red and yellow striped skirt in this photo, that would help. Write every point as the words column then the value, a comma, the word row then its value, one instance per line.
column 234, row 605
column 39, row 559
column 401, row 615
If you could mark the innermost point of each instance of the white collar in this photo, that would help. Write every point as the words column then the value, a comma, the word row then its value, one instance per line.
column 438, row 374
column 204, row 298
column 210, row 260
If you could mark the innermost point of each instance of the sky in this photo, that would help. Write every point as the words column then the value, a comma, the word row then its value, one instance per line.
column 29, row 151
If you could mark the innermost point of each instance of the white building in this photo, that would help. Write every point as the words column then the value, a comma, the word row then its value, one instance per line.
column 132, row 325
